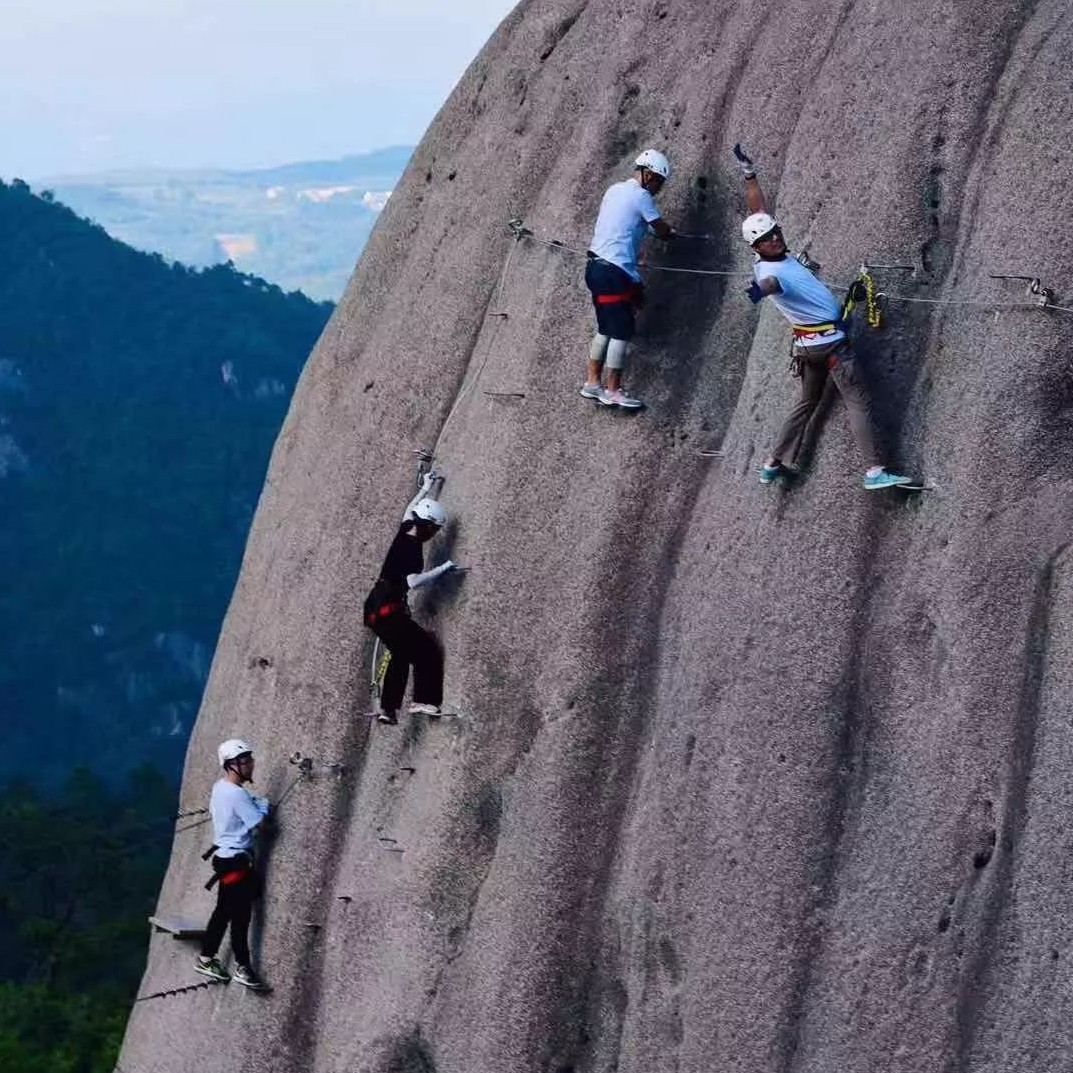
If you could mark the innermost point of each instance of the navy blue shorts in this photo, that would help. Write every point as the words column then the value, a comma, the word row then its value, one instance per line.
column 615, row 319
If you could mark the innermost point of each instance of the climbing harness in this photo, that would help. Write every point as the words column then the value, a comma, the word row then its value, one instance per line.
column 383, row 611
column 632, row 294
column 233, row 875
column 805, row 330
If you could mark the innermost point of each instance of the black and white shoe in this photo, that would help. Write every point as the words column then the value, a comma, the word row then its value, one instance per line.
column 248, row 978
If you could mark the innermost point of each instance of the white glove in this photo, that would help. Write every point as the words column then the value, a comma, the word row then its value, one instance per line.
column 416, row 581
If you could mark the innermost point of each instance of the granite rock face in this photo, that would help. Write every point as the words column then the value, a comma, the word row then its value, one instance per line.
column 747, row 780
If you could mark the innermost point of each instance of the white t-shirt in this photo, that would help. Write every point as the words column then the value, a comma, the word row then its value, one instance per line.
column 803, row 298
column 625, row 213
column 235, row 813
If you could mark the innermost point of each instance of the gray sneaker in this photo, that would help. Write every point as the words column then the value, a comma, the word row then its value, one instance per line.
column 591, row 391
column 621, row 399
column 389, row 718
column 211, row 968
column 248, row 978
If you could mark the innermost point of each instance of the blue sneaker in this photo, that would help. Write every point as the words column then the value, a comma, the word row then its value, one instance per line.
column 884, row 479
column 769, row 473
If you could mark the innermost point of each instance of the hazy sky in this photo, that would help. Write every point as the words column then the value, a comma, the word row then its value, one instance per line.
column 87, row 85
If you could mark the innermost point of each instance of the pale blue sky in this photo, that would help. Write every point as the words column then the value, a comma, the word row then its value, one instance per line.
column 88, row 85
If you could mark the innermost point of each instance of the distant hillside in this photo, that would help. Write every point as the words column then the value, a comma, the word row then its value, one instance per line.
column 138, row 404
column 301, row 226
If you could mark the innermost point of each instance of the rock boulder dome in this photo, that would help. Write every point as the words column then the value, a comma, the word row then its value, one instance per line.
column 747, row 779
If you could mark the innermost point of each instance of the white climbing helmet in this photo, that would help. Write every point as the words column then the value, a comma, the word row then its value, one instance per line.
column 758, row 225
column 428, row 510
column 654, row 161
column 232, row 749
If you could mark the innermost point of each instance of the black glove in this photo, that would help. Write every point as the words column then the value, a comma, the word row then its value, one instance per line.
column 746, row 165
column 858, row 292
column 754, row 292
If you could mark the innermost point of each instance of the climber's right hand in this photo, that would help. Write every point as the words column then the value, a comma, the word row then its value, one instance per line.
column 748, row 170
column 755, row 292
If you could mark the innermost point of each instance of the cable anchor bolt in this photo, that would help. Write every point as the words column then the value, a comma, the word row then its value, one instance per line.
column 303, row 763
column 1044, row 295
column 518, row 228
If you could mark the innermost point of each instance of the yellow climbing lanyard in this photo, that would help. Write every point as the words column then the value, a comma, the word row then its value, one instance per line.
column 875, row 316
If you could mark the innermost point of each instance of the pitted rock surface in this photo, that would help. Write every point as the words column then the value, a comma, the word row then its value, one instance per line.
column 746, row 780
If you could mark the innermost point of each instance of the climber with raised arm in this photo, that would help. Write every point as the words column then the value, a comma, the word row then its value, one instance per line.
column 627, row 214
column 821, row 347
column 387, row 610
column 237, row 816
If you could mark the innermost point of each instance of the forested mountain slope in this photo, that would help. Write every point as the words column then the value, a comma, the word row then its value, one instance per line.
column 138, row 403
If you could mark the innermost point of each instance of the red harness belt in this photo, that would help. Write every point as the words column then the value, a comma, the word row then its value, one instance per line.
column 608, row 299
column 233, row 877
column 382, row 612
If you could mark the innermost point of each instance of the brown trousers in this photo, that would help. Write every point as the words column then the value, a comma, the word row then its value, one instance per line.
column 837, row 361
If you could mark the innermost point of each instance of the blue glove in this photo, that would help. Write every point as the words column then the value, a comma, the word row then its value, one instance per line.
column 754, row 292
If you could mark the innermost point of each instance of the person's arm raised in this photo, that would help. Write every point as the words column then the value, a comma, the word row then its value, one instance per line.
column 754, row 196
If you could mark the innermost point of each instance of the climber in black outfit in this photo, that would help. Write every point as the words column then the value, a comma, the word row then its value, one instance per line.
column 387, row 611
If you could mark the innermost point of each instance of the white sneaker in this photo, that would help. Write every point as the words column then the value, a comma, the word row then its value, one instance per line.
column 591, row 391
column 431, row 710
column 619, row 398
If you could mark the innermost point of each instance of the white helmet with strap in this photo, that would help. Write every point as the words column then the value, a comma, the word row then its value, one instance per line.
column 232, row 749
column 429, row 510
column 758, row 225
column 654, row 161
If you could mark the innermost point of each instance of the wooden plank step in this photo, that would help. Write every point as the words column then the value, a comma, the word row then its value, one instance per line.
column 179, row 927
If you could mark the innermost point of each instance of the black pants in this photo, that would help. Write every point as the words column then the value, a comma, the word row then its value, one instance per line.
column 409, row 645
column 234, row 906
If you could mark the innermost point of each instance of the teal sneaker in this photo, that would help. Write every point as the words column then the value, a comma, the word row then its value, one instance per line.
column 884, row 479
column 769, row 473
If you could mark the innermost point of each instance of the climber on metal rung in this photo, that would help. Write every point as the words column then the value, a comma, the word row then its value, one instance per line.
column 821, row 347
column 387, row 611
column 627, row 213
column 236, row 817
